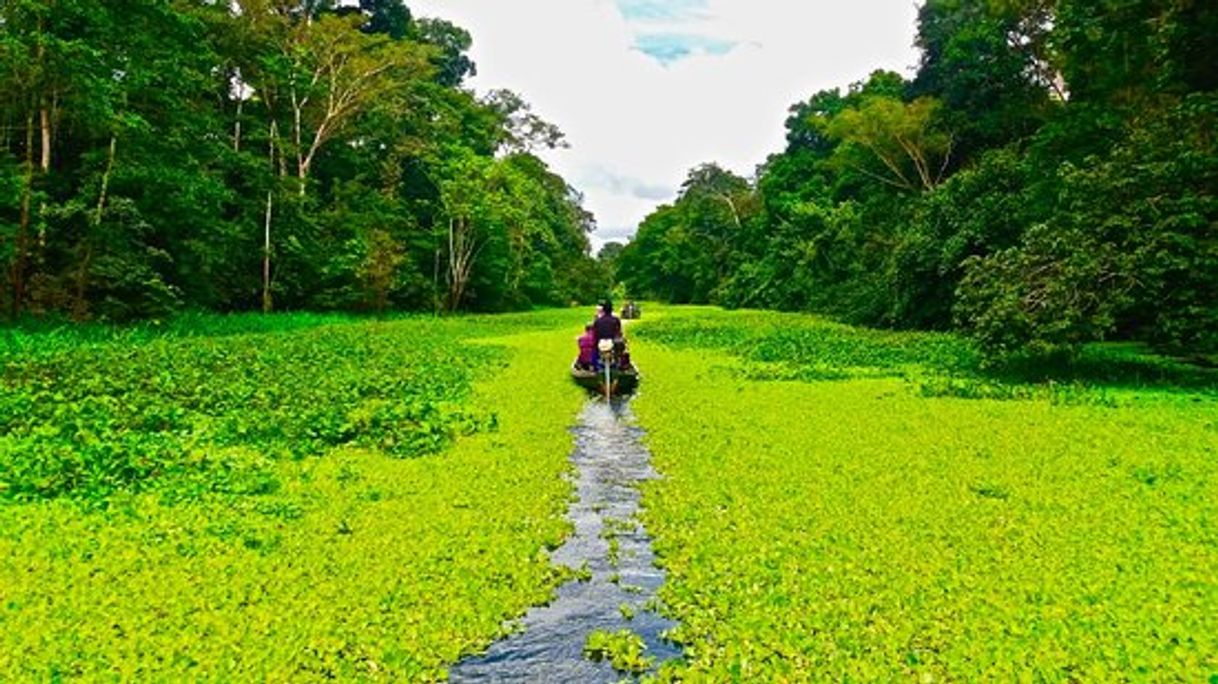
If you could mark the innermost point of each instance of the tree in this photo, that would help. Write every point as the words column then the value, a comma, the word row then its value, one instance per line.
column 334, row 75
column 262, row 153
column 808, row 122
column 610, row 252
column 1145, row 271
column 383, row 257
column 450, row 61
column 390, row 17
column 893, row 142
column 49, row 62
column 1046, row 180
column 991, row 66
column 523, row 131
column 516, row 233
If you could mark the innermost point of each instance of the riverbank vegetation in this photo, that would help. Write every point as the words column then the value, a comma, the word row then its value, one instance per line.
column 1047, row 178
column 1008, row 474
column 234, row 156
column 844, row 504
column 289, row 498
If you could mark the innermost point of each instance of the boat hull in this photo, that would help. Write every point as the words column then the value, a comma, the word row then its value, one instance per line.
column 621, row 381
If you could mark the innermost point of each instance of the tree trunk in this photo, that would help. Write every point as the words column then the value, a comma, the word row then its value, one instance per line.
column 454, row 286
column 462, row 252
column 44, row 120
column 23, row 227
column 456, row 263
column 47, row 118
column 731, row 205
column 435, row 282
column 268, row 302
column 86, row 261
column 302, row 170
column 266, row 254
column 237, row 126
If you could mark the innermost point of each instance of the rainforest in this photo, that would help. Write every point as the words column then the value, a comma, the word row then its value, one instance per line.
column 289, row 309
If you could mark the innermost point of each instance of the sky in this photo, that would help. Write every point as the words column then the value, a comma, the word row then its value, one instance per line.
column 645, row 90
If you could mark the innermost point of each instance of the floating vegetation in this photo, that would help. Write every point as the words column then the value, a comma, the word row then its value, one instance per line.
column 863, row 526
column 342, row 500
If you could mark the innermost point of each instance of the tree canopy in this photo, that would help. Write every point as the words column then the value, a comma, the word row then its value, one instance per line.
column 1048, row 177
column 160, row 155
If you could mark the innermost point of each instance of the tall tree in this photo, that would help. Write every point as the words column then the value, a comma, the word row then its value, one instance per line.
column 893, row 142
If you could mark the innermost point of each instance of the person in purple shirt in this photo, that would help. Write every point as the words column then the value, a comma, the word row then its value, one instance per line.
column 587, row 349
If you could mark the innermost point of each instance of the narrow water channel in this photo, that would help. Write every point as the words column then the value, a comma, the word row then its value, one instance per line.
column 612, row 545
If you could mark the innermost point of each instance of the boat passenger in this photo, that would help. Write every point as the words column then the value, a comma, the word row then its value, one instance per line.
column 607, row 326
column 587, row 349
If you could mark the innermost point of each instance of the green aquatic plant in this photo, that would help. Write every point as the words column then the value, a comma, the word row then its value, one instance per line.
column 624, row 650
column 872, row 528
column 352, row 500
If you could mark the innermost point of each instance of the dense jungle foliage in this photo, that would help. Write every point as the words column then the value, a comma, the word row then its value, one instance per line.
column 1048, row 177
column 157, row 155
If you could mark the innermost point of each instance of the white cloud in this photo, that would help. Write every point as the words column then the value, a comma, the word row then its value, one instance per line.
column 637, row 125
column 595, row 177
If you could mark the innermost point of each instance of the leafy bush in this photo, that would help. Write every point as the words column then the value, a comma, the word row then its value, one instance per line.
column 1058, row 290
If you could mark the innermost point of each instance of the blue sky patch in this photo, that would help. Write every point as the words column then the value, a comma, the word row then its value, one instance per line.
column 662, row 10
column 667, row 48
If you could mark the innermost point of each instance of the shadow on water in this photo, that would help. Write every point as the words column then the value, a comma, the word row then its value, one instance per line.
column 610, row 543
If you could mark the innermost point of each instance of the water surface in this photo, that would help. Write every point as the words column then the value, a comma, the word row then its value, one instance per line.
column 611, row 461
